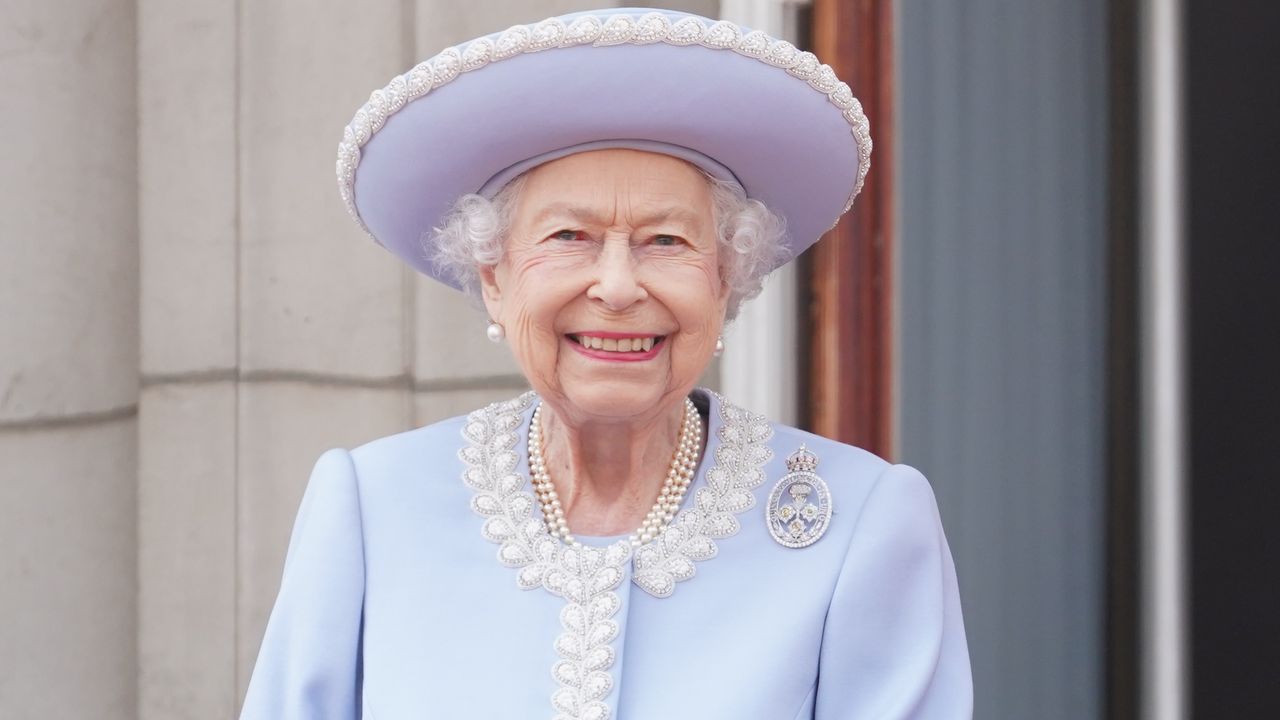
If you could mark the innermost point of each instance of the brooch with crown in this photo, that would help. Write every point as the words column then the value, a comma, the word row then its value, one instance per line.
column 799, row 508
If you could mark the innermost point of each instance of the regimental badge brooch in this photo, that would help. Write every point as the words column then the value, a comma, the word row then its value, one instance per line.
column 799, row 508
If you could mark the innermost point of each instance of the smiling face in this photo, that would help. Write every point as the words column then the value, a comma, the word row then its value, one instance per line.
column 609, row 287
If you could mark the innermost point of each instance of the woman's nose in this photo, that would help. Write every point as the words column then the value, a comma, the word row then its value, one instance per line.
column 616, row 284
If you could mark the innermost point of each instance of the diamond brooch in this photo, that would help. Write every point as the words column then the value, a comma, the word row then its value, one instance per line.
column 799, row 508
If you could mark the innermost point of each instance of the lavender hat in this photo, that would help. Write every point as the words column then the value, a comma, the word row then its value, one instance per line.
column 739, row 104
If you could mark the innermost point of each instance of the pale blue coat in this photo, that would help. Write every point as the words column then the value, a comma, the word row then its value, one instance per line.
column 402, row 594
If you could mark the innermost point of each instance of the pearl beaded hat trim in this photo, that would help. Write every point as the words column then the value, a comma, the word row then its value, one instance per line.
column 738, row 103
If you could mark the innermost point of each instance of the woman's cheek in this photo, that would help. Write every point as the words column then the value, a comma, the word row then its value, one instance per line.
column 695, row 295
column 535, row 345
column 545, row 278
column 542, row 286
column 700, row 325
column 539, row 277
column 702, row 273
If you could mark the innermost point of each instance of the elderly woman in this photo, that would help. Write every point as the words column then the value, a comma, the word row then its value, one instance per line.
column 615, row 543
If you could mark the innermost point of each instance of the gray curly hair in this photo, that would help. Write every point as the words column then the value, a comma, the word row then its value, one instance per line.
column 750, row 236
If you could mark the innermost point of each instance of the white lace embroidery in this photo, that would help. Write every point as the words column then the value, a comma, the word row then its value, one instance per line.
column 615, row 29
column 588, row 577
column 740, row 457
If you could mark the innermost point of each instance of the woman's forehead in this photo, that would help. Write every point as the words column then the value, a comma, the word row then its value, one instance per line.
column 689, row 213
column 587, row 185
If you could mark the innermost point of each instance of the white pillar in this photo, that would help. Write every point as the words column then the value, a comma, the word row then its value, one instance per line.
column 1164, row 631
column 760, row 366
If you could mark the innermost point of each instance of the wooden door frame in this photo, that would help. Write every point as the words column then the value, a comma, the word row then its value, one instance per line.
column 850, row 292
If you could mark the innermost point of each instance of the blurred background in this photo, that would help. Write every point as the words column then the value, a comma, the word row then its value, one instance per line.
column 1057, row 297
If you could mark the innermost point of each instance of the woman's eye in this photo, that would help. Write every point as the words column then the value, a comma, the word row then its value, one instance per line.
column 666, row 240
column 568, row 235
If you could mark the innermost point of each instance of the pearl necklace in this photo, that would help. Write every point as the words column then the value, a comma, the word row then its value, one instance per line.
column 683, row 465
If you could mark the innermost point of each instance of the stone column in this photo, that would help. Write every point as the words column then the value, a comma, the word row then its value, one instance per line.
column 272, row 329
column 187, row 178
column 323, row 349
column 68, row 360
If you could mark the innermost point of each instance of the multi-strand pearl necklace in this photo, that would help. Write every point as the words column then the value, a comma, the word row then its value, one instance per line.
column 684, row 462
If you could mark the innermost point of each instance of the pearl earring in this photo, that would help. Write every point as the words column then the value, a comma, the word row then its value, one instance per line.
column 719, row 346
column 496, row 332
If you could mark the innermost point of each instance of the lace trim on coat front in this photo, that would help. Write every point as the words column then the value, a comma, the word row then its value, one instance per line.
column 588, row 577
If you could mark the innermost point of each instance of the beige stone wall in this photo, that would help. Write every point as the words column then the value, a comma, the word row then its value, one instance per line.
column 187, row 320
column 68, row 360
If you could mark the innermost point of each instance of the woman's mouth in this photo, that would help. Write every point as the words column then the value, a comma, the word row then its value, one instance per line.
column 616, row 346
column 614, row 343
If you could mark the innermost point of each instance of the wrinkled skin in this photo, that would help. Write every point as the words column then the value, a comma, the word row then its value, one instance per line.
column 610, row 241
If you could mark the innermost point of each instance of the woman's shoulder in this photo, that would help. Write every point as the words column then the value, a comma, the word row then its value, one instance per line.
column 831, row 453
column 425, row 458
column 442, row 436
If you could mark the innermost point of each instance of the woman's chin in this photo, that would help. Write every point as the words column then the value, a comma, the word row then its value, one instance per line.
column 614, row 398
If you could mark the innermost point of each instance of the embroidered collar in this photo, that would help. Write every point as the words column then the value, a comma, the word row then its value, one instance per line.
column 737, row 446
column 587, row 577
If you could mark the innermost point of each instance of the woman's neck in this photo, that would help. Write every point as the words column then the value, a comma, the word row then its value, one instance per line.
column 608, row 474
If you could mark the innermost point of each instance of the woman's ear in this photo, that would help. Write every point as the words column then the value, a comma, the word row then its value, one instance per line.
column 726, row 290
column 490, row 291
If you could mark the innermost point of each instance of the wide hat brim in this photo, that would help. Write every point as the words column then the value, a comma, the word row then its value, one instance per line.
column 734, row 102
